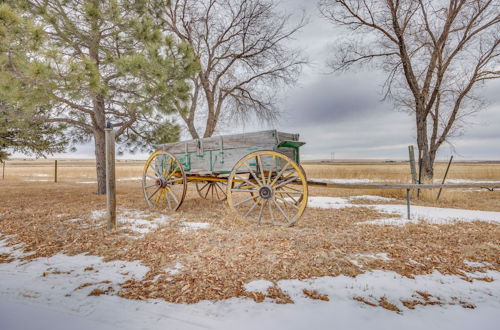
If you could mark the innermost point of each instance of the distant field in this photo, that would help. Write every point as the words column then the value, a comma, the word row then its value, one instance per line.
column 83, row 172
column 375, row 171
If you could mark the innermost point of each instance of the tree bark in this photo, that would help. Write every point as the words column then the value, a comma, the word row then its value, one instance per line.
column 100, row 143
column 427, row 162
column 100, row 157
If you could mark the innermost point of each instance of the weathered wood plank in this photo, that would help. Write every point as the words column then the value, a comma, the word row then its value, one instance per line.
column 401, row 186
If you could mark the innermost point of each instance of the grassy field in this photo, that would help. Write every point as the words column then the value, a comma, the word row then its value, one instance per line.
column 51, row 218
column 83, row 172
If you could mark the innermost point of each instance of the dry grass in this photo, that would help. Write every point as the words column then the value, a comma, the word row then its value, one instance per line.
column 219, row 260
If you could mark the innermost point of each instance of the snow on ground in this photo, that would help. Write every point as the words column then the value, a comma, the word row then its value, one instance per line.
column 372, row 198
column 187, row 226
column 258, row 286
column 54, row 294
column 138, row 221
column 433, row 215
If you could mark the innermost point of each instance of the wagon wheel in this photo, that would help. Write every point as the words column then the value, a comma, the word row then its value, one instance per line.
column 278, row 197
column 214, row 190
column 164, row 181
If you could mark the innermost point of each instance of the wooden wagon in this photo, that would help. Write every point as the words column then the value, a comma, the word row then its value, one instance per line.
column 258, row 173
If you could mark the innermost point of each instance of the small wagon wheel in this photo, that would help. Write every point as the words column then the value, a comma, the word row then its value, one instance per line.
column 164, row 181
column 278, row 195
column 214, row 190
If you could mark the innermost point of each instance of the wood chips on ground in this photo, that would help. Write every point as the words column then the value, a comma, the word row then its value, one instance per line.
column 219, row 260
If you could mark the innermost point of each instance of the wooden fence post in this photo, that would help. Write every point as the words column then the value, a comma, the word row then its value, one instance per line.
column 444, row 178
column 413, row 167
column 3, row 169
column 110, row 176
column 55, row 171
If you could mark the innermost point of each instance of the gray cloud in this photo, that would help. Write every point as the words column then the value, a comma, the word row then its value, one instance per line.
column 344, row 114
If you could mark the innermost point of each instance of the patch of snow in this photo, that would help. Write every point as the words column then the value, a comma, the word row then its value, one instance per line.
column 258, row 286
column 37, row 180
column 432, row 215
column 380, row 256
column 40, row 175
column 140, row 222
column 475, row 264
column 97, row 214
column 329, row 202
column 87, row 182
column 194, row 226
column 75, row 220
column 176, row 270
column 130, row 179
column 372, row 198
column 53, row 302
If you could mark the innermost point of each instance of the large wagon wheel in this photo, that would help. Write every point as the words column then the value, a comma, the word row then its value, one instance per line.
column 214, row 190
column 278, row 197
column 164, row 181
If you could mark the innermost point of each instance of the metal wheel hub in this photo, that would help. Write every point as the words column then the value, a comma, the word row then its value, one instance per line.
column 265, row 192
column 161, row 182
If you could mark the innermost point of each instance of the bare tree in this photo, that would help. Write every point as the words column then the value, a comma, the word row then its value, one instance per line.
column 435, row 54
column 241, row 45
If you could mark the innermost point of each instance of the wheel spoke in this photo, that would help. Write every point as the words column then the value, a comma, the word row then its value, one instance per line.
column 243, row 201
column 259, row 161
column 222, row 190
column 173, row 195
column 244, row 190
column 287, row 202
column 284, row 183
column 167, row 198
column 288, row 192
column 154, row 193
column 262, row 209
column 280, row 173
column 152, row 177
column 253, row 174
column 206, row 184
column 150, row 185
column 271, row 170
column 251, row 209
column 271, row 213
column 216, row 191
column 282, row 212
column 246, row 181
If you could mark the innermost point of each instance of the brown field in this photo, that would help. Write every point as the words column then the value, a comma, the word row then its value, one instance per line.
column 220, row 259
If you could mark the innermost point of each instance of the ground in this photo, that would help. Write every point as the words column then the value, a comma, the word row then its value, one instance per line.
column 352, row 259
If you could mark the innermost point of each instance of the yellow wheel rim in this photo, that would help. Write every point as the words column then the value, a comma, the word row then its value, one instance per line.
column 267, row 186
column 164, row 181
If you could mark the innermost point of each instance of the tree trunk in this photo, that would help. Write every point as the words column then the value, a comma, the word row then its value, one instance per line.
column 100, row 158
column 426, row 161
column 190, row 126
column 100, row 143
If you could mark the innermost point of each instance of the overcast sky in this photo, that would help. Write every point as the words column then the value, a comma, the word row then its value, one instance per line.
column 344, row 115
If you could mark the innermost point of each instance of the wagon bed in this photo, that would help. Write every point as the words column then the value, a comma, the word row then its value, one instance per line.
column 258, row 173
column 217, row 155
